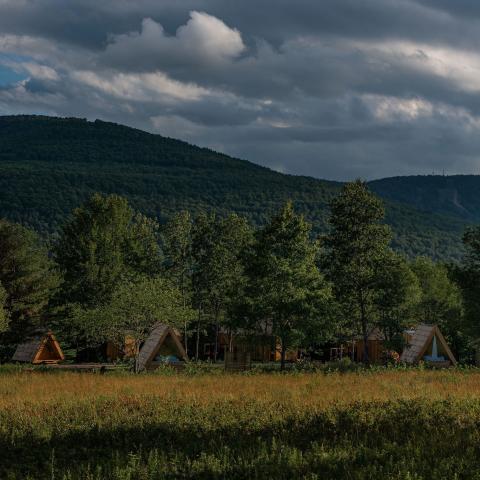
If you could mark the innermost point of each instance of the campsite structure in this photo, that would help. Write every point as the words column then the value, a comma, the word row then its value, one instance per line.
column 262, row 347
column 353, row 349
column 162, row 346
column 374, row 346
column 428, row 344
column 41, row 348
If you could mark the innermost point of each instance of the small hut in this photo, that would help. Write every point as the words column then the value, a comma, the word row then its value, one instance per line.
column 353, row 349
column 429, row 345
column 375, row 346
column 41, row 348
column 162, row 346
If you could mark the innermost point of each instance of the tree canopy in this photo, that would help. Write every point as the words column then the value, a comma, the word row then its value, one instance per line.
column 27, row 279
column 355, row 254
column 104, row 243
column 286, row 291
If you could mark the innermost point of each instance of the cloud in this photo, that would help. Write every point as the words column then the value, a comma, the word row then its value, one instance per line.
column 204, row 39
column 42, row 72
column 334, row 89
column 145, row 87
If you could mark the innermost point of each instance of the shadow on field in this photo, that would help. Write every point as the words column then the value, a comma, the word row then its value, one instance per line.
column 330, row 442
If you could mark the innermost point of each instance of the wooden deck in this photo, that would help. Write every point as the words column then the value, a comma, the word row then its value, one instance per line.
column 85, row 367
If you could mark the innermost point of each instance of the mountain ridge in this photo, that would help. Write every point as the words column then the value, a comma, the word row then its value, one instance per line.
column 50, row 165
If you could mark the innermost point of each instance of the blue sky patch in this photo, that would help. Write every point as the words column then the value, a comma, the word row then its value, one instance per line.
column 8, row 76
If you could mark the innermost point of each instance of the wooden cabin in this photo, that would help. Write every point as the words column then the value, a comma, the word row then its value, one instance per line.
column 428, row 344
column 375, row 347
column 261, row 348
column 114, row 352
column 163, row 346
column 40, row 348
column 354, row 349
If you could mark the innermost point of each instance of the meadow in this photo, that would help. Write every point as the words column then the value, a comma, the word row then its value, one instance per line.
column 399, row 424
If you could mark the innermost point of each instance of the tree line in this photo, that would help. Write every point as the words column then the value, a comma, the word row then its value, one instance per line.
column 113, row 273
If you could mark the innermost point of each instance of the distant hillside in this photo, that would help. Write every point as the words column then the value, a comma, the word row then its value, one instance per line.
column 48, row 166
column 456, row 195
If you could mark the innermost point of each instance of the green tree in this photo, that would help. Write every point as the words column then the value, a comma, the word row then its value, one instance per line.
column 285, row 288
column 397, row 299
column 441, row 301
column 134, row 308
column 203, row 238
column 104, row 244
column 218, row 276
column 468, row 276
column 178, row 262
column 233, row 235
column 4, row 320
column 27, row 276
column 355, row 253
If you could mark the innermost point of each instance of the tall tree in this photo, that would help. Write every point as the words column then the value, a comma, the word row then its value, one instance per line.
column 203, row 238
column 285, row 287
column 233, row 235
column 218, row 274
column 178, row 262
column 27, row 278
column 468, row 275
column 355, row 252
column 104, row 244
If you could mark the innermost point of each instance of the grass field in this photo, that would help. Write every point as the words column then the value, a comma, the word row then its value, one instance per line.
column 409, row 424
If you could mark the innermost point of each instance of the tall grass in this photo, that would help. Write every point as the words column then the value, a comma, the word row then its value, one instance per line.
column 392, row 424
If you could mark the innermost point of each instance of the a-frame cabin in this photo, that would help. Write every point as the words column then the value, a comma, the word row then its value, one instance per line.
column 41, row 348
column 162, row 345
column 429, row 345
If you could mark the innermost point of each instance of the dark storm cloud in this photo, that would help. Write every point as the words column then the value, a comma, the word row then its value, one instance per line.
column 337, row 88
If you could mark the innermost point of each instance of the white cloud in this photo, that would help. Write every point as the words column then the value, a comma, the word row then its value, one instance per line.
column 141, row 87
column 203, row 39
column 210, row 36
column 325, row 88
column 461, row 67
column 389, row 109
column 35, row 70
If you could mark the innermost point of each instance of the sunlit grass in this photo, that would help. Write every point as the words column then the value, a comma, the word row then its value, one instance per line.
column 81, row 425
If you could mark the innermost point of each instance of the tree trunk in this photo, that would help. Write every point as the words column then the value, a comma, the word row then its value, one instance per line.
column 366, row 360
column 283, row 356
column 197, row 347
column 185, row 323
column 185, row 341
column 136, row 365
column 215, row 353
column 363, row 319
column 217, row 327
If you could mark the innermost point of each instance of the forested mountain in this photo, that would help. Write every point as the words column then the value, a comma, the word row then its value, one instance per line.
column 456, row 195
column 48, row 166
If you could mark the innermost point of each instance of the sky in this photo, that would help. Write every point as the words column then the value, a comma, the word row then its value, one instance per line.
column 335, row 89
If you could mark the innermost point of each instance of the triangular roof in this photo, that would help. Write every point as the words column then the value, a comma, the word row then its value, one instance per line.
column 41, row 347
column 153, row 343
column 420, row 341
